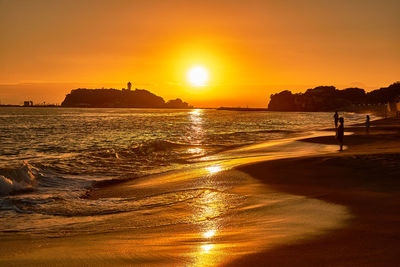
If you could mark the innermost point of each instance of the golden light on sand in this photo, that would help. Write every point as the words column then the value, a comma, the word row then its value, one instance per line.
column 198, row 76
column 214, row 169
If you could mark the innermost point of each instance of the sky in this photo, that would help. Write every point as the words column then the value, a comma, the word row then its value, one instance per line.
column 250, row 49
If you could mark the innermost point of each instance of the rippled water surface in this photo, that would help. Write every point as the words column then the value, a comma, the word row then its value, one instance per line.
column 49, row 157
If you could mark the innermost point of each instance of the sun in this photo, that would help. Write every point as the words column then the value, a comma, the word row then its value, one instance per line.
column 198, row 76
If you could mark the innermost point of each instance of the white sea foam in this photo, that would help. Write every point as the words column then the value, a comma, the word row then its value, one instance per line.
column 17, row 179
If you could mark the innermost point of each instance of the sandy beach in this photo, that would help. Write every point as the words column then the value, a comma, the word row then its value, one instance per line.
column 364, row 178
column 324, row 209
column 199, row 133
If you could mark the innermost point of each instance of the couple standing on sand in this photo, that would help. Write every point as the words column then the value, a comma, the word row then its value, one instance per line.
column 339, row 129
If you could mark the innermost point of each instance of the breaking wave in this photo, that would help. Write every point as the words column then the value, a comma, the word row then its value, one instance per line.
column 18, row 179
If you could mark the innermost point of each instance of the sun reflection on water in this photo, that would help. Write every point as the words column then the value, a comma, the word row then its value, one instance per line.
column 209, row 234
column 206, row 248
column 196, row 131
column 196, row 150
column 208, row 208
column 196, row 112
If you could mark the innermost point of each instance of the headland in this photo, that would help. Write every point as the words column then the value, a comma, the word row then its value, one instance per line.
column 328, row 98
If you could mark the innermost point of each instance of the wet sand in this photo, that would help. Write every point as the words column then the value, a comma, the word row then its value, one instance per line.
column 211, row 219
column 365, row 178
column 330, row 209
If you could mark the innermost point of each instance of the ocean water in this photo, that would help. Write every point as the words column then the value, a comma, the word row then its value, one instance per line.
column 49, row 158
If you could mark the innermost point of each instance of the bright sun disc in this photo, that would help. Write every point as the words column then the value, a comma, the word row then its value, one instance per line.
column 198, row 76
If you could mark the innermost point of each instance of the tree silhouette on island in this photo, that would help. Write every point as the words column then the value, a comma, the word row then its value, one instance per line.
column 328, row 98
column 113, row 98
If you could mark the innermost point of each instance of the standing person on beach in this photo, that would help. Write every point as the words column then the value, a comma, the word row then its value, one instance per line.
column 340, row 133
column 336, row 117
column 367, row 124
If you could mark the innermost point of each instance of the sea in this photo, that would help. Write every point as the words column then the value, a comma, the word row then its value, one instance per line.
column 51, row 157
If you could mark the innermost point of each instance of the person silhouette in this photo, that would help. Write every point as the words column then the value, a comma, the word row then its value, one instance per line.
column 340, row 133
column 367, row 124
column 336, row 117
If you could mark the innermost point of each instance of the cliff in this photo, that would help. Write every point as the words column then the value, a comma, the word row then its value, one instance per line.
column 328, row 98
column 113, row 98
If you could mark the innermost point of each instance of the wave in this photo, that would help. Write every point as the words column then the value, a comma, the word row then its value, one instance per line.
column 152, row 154
column 74, row 207
column 18, row 179
column 143, row 149
column 156, row 146
column 153, row 151
column 29, row 178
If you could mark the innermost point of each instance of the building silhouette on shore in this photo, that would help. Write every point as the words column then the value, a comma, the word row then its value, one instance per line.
column 28, row 103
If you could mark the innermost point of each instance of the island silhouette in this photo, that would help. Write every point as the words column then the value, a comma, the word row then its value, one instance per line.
column 114, row 98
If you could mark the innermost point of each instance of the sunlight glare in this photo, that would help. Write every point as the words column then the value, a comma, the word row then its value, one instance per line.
column 198, row 76
column 206, row 248
column 209, row 234
column 196, row 112
column 214, row 169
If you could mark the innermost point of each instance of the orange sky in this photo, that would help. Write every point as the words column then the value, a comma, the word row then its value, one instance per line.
column 251, row 48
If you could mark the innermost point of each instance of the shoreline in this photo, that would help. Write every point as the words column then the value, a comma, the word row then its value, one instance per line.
column 363, row 178
column 350, row 179
column 334, row 183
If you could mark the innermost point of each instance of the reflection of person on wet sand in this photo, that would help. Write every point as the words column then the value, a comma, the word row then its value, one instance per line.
column 336, row 117
column 340, row 133
column 367, row 124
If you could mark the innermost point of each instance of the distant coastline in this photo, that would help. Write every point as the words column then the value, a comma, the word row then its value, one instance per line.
column 383, row 101
column 328, row 98
column 10, row 106
column 242, row 109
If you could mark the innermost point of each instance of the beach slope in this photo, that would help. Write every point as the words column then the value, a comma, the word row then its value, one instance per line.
column 364, row 178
